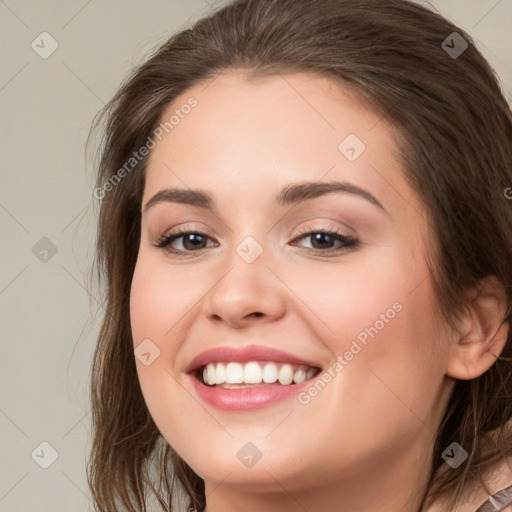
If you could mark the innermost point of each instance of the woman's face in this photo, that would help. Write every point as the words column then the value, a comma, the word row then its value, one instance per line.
column 261, row 271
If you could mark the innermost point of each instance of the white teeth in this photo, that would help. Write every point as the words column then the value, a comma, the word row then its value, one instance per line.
column 270, row 373
column 310, row 373
column 299, row 376
column 211, row 373
column 286, row 374
column 234, row 373
column 254, row 372
column 220, row 373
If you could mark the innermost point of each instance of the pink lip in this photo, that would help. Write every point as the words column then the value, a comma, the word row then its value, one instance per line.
column 245, row 399
column 245, row 354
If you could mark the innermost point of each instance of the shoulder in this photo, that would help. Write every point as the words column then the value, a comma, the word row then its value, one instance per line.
column 497, row 477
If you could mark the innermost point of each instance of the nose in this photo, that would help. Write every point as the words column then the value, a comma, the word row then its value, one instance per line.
column 245, row 294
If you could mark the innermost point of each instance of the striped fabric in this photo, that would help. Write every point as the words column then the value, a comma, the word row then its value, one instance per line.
column 499, row 502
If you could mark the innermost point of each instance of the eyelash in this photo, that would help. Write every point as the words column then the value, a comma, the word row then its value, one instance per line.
column 348, row 242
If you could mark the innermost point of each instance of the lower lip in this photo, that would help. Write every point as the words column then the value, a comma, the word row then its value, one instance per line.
column 246, row 399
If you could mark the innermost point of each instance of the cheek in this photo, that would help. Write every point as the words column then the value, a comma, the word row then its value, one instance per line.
column 160, row 300
column 346, row 298
column 155, row 308
column 380, row 321
column 161, row 308
column 152, row 313
column 397, row 374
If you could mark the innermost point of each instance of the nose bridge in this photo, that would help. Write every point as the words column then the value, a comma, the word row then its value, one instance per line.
column 250, row 250
column 249, row 239
column 246, row 286
column 247, row 268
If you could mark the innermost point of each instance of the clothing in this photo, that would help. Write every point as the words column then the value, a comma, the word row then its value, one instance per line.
column 499, row 502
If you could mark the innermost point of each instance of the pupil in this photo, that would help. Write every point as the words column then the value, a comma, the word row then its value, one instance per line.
column 321, row 237
column 193, row 238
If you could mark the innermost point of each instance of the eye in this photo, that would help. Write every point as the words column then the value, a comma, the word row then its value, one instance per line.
column 193, row 241
column 322, row 240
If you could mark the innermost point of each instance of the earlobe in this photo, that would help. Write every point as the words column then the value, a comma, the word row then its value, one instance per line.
column 483, row 333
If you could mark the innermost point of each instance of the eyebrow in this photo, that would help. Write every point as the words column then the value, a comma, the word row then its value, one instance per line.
column 290, row 195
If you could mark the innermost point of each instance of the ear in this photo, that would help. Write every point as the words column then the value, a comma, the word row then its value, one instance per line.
column 483, row 332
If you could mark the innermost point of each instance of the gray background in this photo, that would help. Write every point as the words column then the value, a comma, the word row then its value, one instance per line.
column 48, row 319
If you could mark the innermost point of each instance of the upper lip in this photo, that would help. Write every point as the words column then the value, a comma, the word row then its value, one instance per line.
column 245, row 354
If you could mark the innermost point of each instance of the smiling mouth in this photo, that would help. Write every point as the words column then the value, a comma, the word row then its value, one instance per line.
column 235, row 375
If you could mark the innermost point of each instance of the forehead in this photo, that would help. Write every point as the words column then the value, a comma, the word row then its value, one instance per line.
column 251, row 137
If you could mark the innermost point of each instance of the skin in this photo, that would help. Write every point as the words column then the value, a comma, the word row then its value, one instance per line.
column 364, row 442
column 496, row 478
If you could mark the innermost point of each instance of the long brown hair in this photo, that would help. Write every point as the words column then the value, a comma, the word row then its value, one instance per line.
column 456, row 149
